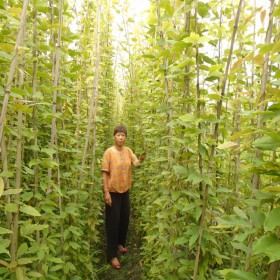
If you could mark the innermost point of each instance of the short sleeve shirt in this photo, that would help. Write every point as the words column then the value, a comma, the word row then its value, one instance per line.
column 119, row 166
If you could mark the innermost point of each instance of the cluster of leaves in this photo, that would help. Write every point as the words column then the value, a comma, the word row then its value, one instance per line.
column 49, row 221
column 171, row 102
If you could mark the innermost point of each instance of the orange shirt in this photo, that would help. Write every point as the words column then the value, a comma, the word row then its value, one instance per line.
column 119, row 166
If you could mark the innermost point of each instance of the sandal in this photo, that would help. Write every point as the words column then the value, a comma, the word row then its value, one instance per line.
column 115, row 265
column 123, row 250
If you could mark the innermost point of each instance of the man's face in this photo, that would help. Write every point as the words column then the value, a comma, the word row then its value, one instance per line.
column 120, row 138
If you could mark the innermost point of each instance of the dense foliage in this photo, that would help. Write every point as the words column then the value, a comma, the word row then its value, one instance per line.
column 206, row 101
column 49, row 217
column 197, row 85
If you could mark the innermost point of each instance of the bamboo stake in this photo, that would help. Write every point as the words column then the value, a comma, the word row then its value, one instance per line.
column 215, row 137
column 261, row 107
column 133, row 85
column 94, row 97
column 4, row 159
column 18, row 179
column 56, row 81
column 261, row 97
column 12, row 221
column 58, row 61
column 13, row 67
column 168, row 86
column 186, row 107
column 199, row 136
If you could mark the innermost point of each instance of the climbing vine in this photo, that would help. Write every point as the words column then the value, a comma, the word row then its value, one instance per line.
column 208, row 108
column 49, row 217
column 197, row 85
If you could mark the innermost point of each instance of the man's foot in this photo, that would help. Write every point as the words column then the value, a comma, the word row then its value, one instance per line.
column 122, row 249
column 115, row 263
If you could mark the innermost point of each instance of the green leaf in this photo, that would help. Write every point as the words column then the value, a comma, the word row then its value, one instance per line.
column 6, row 56
column 74, row 245
column 195, row 178
column 3, row 249
column 24, row 261
column 276, row 13
column 6, row 174
column 28, row 228
column 35, row 274
column 216, row 74
column 233, row 221
column 193, row 38
column 208, row 60
column 47, row 163
column 19, row 273
column 239, row 212
column 41, row 4
column 240, row 246
column 12, row 191
column 69, row 266
column 231, row 274
column 5, row 13
column 182, row 240
column 272, row 220
column 207, row 180
column 266, row 48
column 257, row 218
column 4, row 231
column 183, row 64
column 56, row 267
column 11, row 207
column 187, row 118
column 202, row 9
column 56, row 260
column 48, row 151
column 29, row 210
column 23, row 248
column 266, row 143
column 193, row 239
column 180, row 170
column 175, row 195
column 227, row 145
column 268, row 245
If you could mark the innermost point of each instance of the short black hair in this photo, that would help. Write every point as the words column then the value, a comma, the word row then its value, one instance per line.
column 120, row 128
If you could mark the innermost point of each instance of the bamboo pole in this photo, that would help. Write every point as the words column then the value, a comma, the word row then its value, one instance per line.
column 55, row 83
column 168, row 87
column 13, row 67
column 93, row 104
column 18, row 164
column 35, row 117
column 215, row 137
column 186, row 106
column 58, row 62
column 261, row 96
column 261, row 107
column 133, row 86
column 12, row 219
column 199, row 138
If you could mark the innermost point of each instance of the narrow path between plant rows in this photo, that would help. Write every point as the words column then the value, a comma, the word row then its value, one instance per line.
column 131, row 262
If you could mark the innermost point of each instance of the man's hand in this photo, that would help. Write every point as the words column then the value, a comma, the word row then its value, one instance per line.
column 107, row 198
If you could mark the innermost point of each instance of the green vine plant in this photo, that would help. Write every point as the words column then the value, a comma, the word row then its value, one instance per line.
column 196, row 83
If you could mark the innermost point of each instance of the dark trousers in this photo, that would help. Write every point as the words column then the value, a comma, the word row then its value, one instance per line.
column 117, row 220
